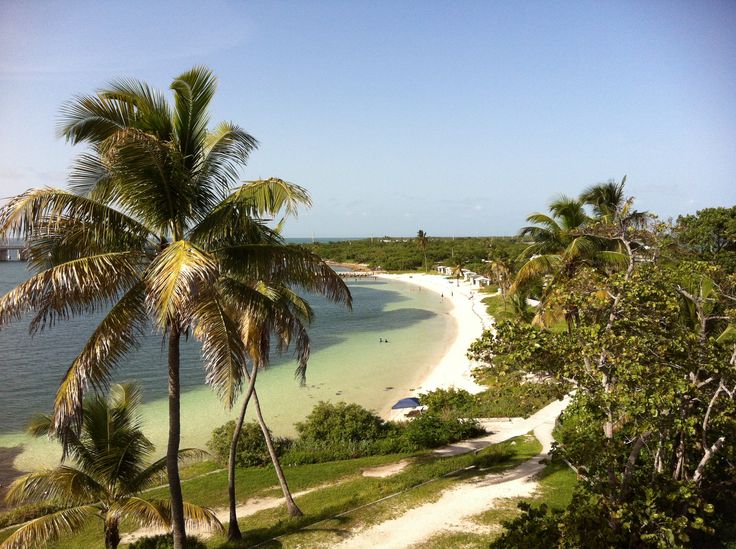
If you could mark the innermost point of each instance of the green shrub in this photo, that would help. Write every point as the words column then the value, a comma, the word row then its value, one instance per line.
column 458, row 402
column 341, row 422
column 431, row 430
column 251, row 450
column 165, row 541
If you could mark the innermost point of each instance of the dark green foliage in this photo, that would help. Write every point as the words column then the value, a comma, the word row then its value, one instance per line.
column 251, row 450
column 342, row 431
column 710, row 234
column 431, row 430
column 341, row 422
column 165, row 541
column 457, row 402
column 536, row 528
column 655, row 384
column 403, row 254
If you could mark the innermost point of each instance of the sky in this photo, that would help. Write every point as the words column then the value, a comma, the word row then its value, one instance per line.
column 456, row 117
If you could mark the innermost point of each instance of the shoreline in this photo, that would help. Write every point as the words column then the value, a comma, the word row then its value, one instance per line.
column 453, row 369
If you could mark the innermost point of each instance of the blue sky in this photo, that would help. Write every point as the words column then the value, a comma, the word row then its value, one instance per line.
column 456, row 117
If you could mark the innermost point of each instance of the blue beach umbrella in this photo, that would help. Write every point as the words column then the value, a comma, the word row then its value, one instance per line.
column 410, row 402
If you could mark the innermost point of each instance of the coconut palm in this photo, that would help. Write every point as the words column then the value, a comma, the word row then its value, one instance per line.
column 605, row 198
column 280, row 313
column 558, row 247
column 500, row 272
column 108, row 474
column 422, row 241
column 152, row 232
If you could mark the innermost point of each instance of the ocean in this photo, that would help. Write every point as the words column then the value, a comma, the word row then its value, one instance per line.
column 348, row 363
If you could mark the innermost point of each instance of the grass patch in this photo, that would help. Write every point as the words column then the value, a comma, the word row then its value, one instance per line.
column 513, row 395
column 498, row 309
column 421, row 482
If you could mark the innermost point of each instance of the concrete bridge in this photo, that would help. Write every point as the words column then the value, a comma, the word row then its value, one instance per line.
column 12, row 251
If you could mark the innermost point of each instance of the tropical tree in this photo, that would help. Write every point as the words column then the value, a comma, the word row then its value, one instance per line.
column 457, row 271
column 499, row 271
column 422, row 242
column 108, row 474
column 151, row 231
column 279, row 313
column 557, row 247
column 606, row 199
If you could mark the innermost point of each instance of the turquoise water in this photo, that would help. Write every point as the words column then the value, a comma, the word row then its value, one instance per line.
column 347, row 363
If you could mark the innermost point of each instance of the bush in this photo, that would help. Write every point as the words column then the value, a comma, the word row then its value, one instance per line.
column 165, row 541
column 251, row 450
column 457, row 402
column 341, row 422
column 431, row 430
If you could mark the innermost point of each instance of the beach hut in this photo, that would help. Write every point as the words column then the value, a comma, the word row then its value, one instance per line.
column 409, row 402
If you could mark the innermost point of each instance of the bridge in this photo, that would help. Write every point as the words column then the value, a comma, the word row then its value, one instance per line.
column 12, row 250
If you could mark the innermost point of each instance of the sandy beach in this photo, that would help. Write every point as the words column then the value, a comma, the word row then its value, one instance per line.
column 454, row 368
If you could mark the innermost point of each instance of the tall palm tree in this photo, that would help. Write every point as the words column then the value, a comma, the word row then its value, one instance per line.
column 105, row 482
column 280, row 313
column 605, row 198
column 557, row 245
column 151, row 230
column 499, row 271
column 422, row 242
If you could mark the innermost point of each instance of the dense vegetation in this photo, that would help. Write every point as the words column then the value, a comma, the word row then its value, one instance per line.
column 407, row 253
column 339, row 431
column 649, row 344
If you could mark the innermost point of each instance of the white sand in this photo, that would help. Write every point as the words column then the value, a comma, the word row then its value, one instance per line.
column 453, row 511
column 454, row 368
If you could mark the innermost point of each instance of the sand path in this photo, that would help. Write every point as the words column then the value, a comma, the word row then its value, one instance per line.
column 453, row 510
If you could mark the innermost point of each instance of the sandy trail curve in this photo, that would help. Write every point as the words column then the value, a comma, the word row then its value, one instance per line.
column 453, row 510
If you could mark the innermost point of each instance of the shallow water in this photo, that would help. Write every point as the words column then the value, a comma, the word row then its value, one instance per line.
column 347, row 363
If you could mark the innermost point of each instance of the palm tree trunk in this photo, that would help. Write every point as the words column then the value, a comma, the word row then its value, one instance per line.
column 112, row 534
column 172, row 451
column 291, row 505
column 233, row 529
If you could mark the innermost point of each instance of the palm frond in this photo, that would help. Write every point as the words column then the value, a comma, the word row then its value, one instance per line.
column 151, row 110
column 285, row 265
column 270, row 196
column 155, row 473
column 147, row 514
column 193, row 91
column 197, row 516
column 118, row 332
column 232, row 221
column 174, row 278
column 79, row 286
column 226, row 152
column 65, row 485
column 38, row 532
column 535, row 268
column 38, row 212
column 222, row 348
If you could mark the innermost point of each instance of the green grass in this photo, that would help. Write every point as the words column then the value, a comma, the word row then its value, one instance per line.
column 319, row 527
column 497, row 309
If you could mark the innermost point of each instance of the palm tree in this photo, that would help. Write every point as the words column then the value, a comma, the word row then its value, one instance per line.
column 422, row 241
column 109, row 473
column 499, row 271
column 151, row 230
column 281, row 313
column 557, row 246
column 457, row 272
column 605, row 198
